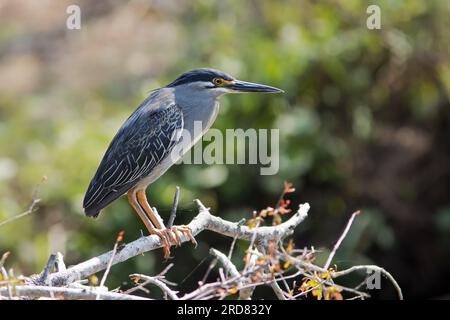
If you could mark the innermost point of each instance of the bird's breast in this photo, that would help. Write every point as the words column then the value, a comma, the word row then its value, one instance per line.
column 197, row 120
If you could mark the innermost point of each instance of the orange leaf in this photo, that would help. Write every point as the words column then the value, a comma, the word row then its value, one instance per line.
column 120, row 236
column 288, row 187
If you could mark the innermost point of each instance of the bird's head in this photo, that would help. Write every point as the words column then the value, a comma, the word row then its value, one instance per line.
column 216, row 83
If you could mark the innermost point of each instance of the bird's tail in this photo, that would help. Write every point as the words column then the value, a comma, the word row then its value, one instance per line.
column 93, row 208
column 91, row 212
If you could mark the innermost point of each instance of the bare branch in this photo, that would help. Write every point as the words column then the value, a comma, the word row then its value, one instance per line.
column 4, row 257
column 203, row 221
column 157, row 282
column 278, row 292
column 230, row 252
column 6, row 278
column 108, row 267
column 375, row 269
column 173, row 213
column 226, row 263
column 267, row 263
column 32, row 208
column 88, row 293
column 341, row 238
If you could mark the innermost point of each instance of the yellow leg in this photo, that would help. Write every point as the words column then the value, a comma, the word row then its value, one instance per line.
column 142, row 199
column 132, row 199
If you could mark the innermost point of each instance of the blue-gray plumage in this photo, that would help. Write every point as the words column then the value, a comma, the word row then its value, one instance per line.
column 141, row 150
column 139, row 146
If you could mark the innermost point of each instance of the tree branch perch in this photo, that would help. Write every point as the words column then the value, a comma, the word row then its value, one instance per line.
column 203, row 221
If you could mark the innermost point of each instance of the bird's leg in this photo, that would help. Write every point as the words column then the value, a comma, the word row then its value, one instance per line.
column 148, row 224
column 142, row 199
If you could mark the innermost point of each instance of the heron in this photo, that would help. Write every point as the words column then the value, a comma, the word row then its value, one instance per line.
column 141, row 150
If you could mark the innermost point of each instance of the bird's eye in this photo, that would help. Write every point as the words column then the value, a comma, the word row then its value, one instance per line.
column 218, row 81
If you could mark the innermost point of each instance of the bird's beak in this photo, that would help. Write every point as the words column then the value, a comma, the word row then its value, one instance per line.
column 238, row 86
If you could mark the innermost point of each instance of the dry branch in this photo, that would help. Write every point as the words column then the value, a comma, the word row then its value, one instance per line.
column 32, row 208
column 267, row 263
column 203, row 221
column 88, row 293
column 157, row 282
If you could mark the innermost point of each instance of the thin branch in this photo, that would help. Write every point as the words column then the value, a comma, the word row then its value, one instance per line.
column 108, row 267
column 375, row 269
column 211, row 266
column 32, row 208
column 230, row 268
column 210, row 288
column 341, row 238
column 6, row 278
column 230, row 252
column 4, row 257
column 157, row 282
column 173, row 213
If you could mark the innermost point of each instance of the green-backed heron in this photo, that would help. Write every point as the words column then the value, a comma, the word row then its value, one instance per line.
column 141, row 150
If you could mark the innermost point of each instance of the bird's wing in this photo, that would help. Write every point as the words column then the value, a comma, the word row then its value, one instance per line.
column 145, row 139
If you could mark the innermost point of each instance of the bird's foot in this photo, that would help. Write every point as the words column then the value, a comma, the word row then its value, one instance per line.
column 187, row 231
column 173, row 235
column 165, row 243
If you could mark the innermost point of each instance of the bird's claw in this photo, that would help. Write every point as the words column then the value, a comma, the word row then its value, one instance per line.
column 188, row 232
column 171, row 237
column 165, row 243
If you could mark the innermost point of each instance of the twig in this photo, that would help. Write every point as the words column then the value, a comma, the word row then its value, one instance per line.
column 250, row 248
column 31, row 209
column 375, row 269
column 33, row 206
column 108, row 267
column 244, row 294
column 160, row 276
column 154, row 280
column 4, row 257
column 302, row 264
column 209, row 288
column 211, row 266
column 6, row 278
column 341, row 238
column 230, row 252
column 173, row 213
column 165, row 270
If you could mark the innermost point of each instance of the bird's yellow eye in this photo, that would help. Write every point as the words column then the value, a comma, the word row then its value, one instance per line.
column 218, row 81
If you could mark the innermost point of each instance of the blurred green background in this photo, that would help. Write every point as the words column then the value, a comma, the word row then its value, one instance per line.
column 364, row 124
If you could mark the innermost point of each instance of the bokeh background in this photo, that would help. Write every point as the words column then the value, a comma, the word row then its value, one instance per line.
column 364, row 124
